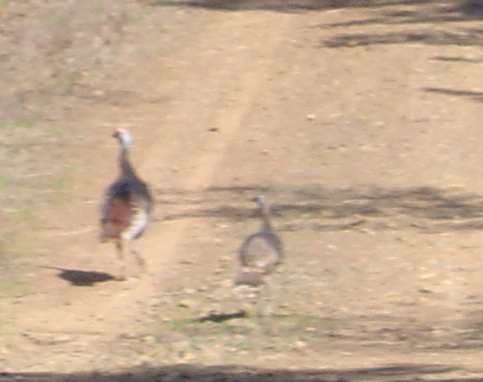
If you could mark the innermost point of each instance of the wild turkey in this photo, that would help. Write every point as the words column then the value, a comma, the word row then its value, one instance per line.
column 126, row 207
column 260, row 252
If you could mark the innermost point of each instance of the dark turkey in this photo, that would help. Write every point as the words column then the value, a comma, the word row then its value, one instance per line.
column 126, row 206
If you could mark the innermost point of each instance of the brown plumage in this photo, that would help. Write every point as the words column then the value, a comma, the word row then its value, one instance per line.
column 260, row 252
column 126, row 206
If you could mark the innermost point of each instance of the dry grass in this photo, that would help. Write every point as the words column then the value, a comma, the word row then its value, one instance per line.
column 51, row 50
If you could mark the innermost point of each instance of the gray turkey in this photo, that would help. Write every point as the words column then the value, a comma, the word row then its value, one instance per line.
column 258, row 255
column 126, row 207
column 260, row 252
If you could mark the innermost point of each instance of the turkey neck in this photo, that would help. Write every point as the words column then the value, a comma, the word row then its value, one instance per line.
column 266, row 226
column 124, row 164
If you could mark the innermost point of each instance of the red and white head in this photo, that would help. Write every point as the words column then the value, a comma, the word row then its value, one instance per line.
column 123, row 135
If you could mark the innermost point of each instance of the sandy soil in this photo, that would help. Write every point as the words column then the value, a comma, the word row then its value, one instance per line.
column 361, row 124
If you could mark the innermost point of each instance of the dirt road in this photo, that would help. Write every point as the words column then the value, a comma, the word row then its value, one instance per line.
column 361, row 126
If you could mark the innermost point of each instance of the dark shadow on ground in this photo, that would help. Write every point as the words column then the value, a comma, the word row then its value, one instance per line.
column 426, row 208
column 77, row 277
column 284, row 5
column 427, row 36
column 437, row 12
column 429, row 25
column 193, row 373
column 427, row 10
column 472, row 7
column 475, row 96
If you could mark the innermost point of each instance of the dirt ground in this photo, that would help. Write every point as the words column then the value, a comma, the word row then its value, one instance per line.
column 359, row 120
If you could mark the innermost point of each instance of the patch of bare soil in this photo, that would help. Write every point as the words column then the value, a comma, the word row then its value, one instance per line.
column 358, row 120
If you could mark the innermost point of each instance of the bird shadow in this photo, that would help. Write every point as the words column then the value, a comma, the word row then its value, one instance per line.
column 77, row 277
column 221, row 317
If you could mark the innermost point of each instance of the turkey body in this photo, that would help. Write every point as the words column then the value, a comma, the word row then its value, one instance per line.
column 125, row 213
column 260, row 252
